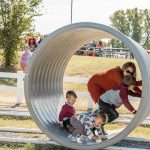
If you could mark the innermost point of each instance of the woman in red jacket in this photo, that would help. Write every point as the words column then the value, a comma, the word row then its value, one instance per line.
column 99, row 83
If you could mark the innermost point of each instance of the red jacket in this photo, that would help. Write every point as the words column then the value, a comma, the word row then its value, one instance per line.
column 101, row 82
column 66, row 112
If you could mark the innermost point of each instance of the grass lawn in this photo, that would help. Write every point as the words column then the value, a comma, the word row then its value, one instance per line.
column 142, row 132
column 10, row 147
column 29, row 146
column 8, row 122
column 8, row 81
column 87, row 66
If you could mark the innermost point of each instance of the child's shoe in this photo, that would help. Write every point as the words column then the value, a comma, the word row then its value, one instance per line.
column 71, row 138
column 84, row 138
column 74, row 138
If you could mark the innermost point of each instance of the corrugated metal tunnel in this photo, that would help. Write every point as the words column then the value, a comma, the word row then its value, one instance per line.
column 44, row 79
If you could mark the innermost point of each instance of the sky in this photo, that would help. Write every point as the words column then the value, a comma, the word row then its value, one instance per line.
column 56, row 13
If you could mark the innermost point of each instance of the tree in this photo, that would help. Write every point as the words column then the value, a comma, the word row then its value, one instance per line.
column 146, row 29
column 134, row 18
column 117, row 43
column 119, row 21
column 16, row 17
column 133, row 23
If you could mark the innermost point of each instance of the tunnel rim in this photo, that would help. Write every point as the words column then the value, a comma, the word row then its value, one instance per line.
column 64, row 29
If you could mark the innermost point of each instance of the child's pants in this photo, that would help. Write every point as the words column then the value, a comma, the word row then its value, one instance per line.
column 108, row 109
column 78, row 127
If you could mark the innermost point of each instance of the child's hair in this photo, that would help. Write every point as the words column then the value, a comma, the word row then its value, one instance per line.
column 129, row 64
column 129, row 80
column 71, row 93
column 26, row 46
column 102, row 115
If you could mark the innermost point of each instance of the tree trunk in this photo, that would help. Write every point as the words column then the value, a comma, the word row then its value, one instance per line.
column 9, row 60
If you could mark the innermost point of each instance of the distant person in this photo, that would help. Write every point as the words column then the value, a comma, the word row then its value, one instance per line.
column 26, row 41
column 34, row 42
column 25, row 58
column 30, row 43
column 40, row 40
column 93, row 44
column 131, row 55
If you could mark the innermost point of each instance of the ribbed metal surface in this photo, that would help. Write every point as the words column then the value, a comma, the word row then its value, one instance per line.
column 44, row 78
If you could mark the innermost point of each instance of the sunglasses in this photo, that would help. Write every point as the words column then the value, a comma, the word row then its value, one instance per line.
column 129, row 72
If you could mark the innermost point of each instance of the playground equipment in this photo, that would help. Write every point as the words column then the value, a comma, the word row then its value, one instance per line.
column 44, row 79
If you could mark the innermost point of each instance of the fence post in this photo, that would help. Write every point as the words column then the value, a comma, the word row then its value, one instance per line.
column 20, row 77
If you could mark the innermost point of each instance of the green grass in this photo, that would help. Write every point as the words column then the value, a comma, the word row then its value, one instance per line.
column 142, row 132
column 87, row 66
column 8, row 81
column 139, row 132
column 1, row 57
column 29, row 146
column 10, row 122
column 11, row 147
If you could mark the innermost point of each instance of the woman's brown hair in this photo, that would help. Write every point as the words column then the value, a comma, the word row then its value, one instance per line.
column 129, row 64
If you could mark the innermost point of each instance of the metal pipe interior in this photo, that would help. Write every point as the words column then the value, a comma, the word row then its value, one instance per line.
column 44, row 78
